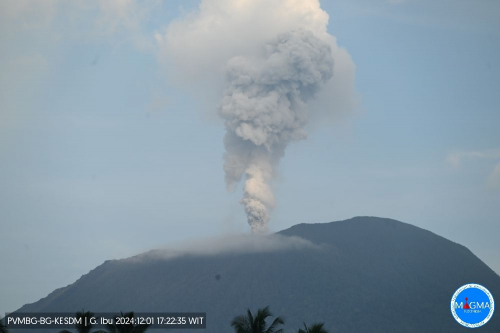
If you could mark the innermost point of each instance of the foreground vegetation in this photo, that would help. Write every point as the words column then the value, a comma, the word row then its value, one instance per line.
column 3, row 329
column 80, row 328
column 257, row 323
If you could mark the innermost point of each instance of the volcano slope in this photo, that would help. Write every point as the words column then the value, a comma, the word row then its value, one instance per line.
column 365, row 274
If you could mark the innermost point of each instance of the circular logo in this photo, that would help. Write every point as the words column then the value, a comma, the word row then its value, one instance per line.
column 472, row 305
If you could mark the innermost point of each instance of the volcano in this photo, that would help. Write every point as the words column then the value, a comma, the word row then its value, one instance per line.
column 365, row 274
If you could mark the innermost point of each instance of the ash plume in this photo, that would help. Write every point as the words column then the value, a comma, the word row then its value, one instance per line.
column 276, row 56
column 264, row 108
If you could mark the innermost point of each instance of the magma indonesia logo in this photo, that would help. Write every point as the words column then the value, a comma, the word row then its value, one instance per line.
column 472, row 305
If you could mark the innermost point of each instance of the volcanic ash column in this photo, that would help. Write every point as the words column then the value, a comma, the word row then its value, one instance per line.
column 264, row 108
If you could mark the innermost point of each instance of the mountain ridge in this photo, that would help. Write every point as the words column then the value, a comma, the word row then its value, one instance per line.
column 363, row 261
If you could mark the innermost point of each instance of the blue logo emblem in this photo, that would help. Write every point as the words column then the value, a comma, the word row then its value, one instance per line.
column 472, row 305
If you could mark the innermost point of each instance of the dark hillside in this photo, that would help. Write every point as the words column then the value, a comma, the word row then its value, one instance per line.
column 367, row 275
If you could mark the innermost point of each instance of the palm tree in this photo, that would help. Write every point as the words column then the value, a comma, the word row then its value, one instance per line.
column 257, row 323
column 129, row 327
column 3, row 328
column 82, row 328
column 315, row 328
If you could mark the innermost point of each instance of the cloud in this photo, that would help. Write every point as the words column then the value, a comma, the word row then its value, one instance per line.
column 196, row 47
column 494, row 178
column 69, row 20
column 457, row 158
column 34, row 33
column 272, row 58
column 202, row 42
column 128, row 18
column 249, row 243
column 19, row 15
column 282, row 46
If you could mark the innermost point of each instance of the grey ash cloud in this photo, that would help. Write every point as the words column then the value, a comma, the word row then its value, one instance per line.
column 268, row 64
column 264, row 109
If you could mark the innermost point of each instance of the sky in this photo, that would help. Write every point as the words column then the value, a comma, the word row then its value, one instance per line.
column 111, row 145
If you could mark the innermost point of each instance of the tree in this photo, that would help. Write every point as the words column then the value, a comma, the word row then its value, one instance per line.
column 257, row 323
column 128, row 327
column 3, row 328
column 82, row 328
column 315, row 328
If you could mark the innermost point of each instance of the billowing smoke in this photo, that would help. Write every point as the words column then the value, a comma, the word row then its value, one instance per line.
column 276, row 55
column 264, row 108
